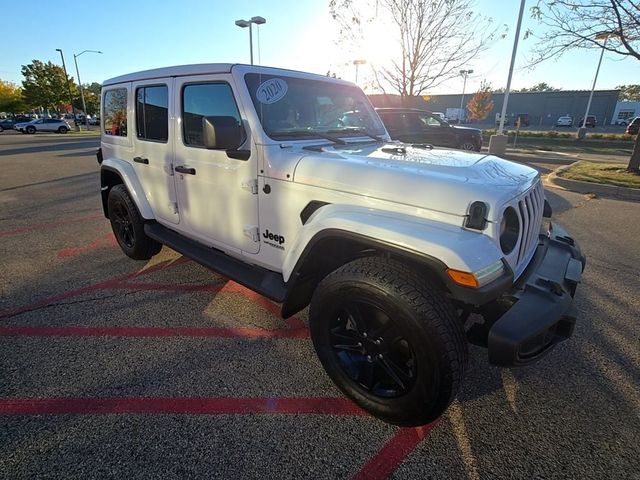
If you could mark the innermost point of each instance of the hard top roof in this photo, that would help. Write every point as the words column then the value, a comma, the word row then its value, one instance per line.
column 204, row 69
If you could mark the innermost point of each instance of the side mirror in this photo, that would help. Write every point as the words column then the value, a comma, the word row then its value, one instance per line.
column 223, row 133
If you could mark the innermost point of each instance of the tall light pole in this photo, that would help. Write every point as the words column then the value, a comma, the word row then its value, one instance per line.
column 64, row 67
column 464, row 74
column 357, row 63
column 498, row 142
column 84, row 105
column 601, row 36
column 247, row 23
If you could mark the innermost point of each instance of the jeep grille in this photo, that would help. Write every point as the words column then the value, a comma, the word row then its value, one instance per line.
column 529, row 208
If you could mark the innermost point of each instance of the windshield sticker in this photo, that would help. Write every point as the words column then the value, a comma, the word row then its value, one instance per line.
column 271, row 91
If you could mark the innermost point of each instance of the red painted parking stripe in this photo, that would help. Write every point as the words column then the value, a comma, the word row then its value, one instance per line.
column 393, row 453
column 46, row 226
column 188, row 406
column 179, row 287
column 106, row 240
column 112, row 283
column 153, row 332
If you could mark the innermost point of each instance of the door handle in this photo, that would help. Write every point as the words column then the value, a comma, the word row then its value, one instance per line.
column 141, row 160
column 187, row 170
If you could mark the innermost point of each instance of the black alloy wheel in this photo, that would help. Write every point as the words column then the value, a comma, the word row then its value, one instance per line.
column 128, row 225
column 372, row 350
column 389, row 339
column 122, row 222
column 468, row 146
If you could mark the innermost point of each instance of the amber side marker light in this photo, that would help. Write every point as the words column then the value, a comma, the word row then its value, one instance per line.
column 465, row 279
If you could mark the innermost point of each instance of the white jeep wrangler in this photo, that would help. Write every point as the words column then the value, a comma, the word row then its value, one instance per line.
column 288, row 183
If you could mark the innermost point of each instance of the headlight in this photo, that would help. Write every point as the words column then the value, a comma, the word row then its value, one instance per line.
column 509, row 230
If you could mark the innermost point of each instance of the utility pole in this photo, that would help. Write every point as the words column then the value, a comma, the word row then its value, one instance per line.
column 498, row 142
column 73, row 109
column 464, row 74
column 84, row 105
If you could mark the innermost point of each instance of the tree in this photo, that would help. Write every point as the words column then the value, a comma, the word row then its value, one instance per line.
column 540, row 87
column 11, row 98
column 45, row 85
column 481, row 103
column 629, row 93
column 91, row 98
column 612, row 25
column 432, row 39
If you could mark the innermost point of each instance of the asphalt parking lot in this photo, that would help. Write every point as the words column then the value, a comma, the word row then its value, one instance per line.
column 112, row 368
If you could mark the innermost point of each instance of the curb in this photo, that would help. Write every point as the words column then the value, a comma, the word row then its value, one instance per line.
column 532, row 158
column 624, row 193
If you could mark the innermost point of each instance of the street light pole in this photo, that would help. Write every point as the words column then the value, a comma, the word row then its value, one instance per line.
column 498, row 142
column 582, row 130
column 247, row 23
column 84, row 105
column 357, row 63
column 464, row 74
column 64, row 67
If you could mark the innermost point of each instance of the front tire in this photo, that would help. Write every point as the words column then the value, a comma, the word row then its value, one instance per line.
column 389, row 340
column 31, row 130
column 128, row 226
column 63, row 130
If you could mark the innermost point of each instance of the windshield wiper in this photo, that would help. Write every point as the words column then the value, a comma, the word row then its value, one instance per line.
column 312, row 133
column 356, row 130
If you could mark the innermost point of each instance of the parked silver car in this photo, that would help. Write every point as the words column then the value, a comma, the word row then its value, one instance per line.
column 43, row 125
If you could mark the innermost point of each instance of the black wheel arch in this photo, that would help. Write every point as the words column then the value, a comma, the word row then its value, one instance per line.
column 332, row 248
column 109, row 178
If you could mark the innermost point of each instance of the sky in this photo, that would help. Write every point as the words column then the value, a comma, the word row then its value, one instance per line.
column 141, row 34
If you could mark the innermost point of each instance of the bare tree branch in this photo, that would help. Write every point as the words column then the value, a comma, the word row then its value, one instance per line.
column 434, row 38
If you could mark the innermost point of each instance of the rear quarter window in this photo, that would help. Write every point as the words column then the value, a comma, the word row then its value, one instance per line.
column 115, row 112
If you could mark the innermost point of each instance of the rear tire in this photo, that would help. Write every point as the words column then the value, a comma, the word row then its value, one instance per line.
column 468, row 146
column 128, row 226
column 389, row 340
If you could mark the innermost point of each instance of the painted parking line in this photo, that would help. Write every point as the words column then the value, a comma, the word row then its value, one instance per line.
column 378, row 467
column 393, row 453
column 106, row 240
column 51, row 225
column 180, row 405
column 151, row 332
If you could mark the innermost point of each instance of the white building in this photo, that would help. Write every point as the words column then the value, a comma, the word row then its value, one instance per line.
column 624, row 112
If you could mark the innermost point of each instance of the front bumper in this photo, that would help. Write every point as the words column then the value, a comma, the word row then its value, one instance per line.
column 541, row 314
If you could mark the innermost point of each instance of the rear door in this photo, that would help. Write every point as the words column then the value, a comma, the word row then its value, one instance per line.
column 217, row 194
column 153, row 147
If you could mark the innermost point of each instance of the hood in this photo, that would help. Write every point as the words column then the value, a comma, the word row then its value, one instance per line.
column 443, row 180
column 476, row 131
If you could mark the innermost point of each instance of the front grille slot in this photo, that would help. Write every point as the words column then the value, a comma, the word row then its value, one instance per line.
column 530, row 208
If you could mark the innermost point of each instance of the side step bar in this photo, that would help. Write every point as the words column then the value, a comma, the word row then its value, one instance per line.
column 258, row 279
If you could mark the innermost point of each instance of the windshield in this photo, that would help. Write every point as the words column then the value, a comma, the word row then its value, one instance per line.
column 291, row 107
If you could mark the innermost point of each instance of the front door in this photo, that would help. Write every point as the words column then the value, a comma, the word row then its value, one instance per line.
column 153, row 147
column 217, row 194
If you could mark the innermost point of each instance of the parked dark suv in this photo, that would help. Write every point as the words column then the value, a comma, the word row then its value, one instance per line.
column 6, row 124
column 411, row 125
column 633, row 127
column 591, row 121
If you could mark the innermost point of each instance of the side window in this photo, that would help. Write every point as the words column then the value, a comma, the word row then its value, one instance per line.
column 115, row 112
column 393, row 121
column 152, row 113
column 205, row 100
column 430, row 121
